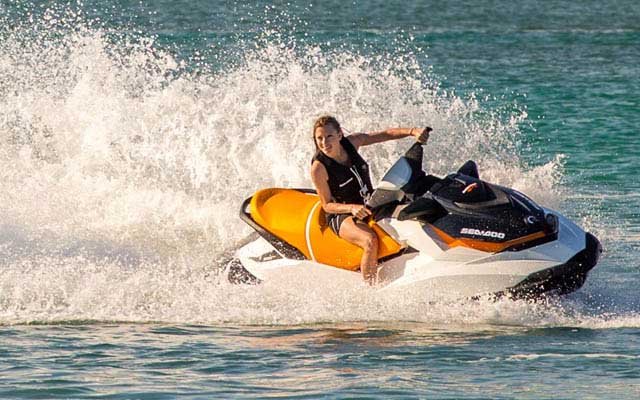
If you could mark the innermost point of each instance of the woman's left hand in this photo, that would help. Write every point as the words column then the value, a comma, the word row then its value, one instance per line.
column 421, row 135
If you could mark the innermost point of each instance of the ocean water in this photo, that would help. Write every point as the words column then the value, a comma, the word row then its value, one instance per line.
column 130, row 132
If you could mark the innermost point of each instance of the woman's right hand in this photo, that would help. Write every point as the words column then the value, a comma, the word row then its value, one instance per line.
column 421, row 135
column 360, row 212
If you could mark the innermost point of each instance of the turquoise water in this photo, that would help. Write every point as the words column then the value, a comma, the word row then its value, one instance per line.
column 130, row 132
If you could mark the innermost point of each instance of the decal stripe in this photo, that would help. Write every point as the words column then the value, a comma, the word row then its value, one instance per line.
column 307, row 230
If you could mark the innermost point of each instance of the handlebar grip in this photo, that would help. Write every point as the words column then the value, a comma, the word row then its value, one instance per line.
column 429, row 130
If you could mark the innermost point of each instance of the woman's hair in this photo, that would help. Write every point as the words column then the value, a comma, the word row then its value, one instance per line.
column 324, row 121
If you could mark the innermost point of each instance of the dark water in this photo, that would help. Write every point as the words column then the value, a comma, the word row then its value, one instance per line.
column 338, row 360
column 131, row 132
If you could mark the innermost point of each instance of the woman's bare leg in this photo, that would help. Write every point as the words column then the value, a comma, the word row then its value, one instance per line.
column 364, row 237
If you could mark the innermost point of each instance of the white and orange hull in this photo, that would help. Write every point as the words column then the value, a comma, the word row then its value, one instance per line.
column 415, row 256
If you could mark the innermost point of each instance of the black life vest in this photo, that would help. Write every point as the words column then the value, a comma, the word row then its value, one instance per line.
column 348, row 185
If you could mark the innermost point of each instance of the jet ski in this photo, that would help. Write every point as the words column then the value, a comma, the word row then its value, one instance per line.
column 457, row 236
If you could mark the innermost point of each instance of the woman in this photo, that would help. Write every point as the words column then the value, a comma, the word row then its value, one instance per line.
column 341, row 178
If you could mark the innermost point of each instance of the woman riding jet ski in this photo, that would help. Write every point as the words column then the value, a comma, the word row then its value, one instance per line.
column 456, row 236
column 342, row 181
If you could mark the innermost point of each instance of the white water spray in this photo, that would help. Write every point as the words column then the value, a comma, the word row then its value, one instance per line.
column 122, row 173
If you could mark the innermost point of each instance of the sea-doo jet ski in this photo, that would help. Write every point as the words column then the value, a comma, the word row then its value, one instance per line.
column 456, row 236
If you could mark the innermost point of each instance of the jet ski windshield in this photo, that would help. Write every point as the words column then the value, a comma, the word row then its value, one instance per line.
column 402, row 178
column 397, row 176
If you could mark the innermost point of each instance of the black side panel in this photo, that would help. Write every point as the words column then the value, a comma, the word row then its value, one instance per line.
column 280, row 245
column 488, row 212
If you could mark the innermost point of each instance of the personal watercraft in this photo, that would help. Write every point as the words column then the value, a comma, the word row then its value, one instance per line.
column 456, row 236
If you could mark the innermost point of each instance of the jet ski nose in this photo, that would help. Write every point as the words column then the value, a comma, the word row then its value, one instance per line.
column 595, row 243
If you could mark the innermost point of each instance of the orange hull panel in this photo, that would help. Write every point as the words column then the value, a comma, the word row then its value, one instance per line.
column 298, row 219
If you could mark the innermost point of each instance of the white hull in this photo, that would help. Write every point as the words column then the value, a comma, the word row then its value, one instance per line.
column 433, row 269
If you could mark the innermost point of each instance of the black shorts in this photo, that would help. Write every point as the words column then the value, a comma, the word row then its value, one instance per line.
column 335, row 221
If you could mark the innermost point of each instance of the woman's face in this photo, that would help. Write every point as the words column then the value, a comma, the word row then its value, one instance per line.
column 328, row 140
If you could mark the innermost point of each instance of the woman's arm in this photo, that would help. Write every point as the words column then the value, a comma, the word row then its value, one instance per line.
column 364, row 139
column 320, row 179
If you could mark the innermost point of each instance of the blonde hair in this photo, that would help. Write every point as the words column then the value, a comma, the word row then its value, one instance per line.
column 324, row 121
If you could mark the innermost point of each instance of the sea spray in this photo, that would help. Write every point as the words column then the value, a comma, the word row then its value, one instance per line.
column 123, row 168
